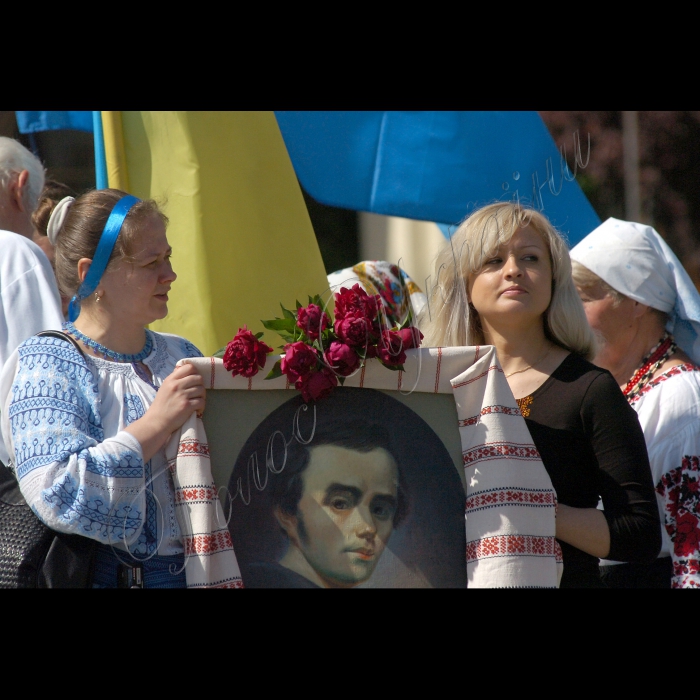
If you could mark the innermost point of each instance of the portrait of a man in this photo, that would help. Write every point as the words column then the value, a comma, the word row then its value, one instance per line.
column 338, row 501
column 354, row 491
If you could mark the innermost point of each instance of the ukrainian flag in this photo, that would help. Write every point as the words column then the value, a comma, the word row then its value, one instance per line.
column 240, row 231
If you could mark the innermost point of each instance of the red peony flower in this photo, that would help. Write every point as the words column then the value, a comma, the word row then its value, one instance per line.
column 245, row 354
column 354, row 330
column 391, row 349
column 312, row 320
column 299, row 359
column 343, row 360
column 411, row 337
column 355, row 302
column 316, row 385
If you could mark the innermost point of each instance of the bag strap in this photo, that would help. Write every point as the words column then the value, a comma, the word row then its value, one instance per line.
column 63, row 336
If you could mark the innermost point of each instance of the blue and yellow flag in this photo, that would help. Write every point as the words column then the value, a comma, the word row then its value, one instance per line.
column 240, row 231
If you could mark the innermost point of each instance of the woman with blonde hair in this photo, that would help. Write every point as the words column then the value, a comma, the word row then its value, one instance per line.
column 505, row 280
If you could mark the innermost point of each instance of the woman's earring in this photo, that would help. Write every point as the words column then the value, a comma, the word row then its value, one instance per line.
column 97, row 297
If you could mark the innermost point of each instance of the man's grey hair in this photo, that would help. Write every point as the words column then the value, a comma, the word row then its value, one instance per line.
column 14, row 158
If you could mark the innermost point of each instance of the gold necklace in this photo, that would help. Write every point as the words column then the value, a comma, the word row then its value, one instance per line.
column 534, row 364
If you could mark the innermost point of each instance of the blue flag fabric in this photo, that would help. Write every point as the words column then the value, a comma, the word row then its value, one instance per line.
column 435, row 166
column 31, row 122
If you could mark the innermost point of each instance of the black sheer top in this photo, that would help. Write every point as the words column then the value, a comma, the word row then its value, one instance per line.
column 592, row 446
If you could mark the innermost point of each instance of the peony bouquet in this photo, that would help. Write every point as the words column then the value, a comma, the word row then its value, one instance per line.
column 319, row 353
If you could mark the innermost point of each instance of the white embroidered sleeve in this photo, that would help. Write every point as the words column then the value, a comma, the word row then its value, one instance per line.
column 75, row 480
column 679, row 489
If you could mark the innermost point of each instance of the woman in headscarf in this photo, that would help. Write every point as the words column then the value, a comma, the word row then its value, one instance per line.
column 399, row 293
column 645, row 311
column 505, row 281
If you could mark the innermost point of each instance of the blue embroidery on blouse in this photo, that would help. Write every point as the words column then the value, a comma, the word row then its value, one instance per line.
column 92, row 515
column 54, row 414
column 128, row 466
column 147, row 542
column 189, row 350
column 133, row 408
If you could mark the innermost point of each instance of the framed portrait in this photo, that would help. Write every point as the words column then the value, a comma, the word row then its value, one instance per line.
column 425, row 478
column 363, row 488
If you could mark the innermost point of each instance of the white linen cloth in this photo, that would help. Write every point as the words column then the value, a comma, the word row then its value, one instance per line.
column 510, row 502
column 210, row 561
column 29, row 298
column 634, row 260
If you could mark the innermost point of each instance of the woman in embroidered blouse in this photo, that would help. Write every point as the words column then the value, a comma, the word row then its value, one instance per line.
column 89, row 427
column 646, row 312
column 505, row 280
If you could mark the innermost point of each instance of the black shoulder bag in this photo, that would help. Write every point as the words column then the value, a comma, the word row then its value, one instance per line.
column 31, row 554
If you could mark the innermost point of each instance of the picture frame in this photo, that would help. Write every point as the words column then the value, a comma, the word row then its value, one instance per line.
column 480, row 504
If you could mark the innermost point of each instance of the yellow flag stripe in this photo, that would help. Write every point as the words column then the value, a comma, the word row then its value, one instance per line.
column 241, row 235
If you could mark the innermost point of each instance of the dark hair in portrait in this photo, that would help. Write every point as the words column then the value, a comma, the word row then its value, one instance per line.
column 345, row 493
column 356, row 434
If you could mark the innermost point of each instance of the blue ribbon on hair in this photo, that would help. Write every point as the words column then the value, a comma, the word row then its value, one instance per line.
column 102, row 254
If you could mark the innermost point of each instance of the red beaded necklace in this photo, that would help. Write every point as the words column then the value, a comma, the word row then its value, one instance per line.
column 658, row 355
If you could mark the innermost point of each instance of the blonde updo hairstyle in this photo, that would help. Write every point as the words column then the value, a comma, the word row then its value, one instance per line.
column 450, row 320
column 82, row 228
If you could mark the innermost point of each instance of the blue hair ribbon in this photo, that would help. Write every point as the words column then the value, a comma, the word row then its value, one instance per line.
column 102, row 254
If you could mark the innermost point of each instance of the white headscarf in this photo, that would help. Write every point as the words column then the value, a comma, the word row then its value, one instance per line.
column 633, row 259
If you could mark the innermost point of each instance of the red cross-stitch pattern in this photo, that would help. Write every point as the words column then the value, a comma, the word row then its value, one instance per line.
column 498, row 450
column 507, row 496
column 230, row 583
column 511, row 545
column 674, row 371
column 238, row 583
column 505, row 410
column 208, row 544
column 193, row 447
column 198, row 493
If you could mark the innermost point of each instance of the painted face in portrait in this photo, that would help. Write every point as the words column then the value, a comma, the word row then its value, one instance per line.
column 345, row 516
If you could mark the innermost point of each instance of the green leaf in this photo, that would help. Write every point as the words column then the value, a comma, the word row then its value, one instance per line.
column 341, row 380
column 298, row 305
column 276, row 370
column 289, row 337
column 280, row 324
column 259, row 335
column 407, row 323
column 289, row 314
column 220, row 352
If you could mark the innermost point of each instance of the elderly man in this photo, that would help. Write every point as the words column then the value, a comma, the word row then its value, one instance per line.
column 29, row 299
